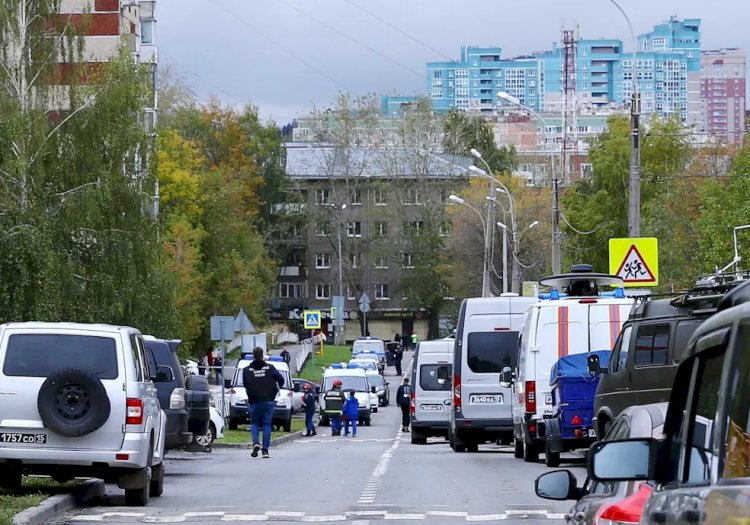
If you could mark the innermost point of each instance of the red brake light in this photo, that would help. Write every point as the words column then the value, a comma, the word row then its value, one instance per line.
column 412, row 407
column 576, row 420
column 588, row 301
column 626, row 511
column 134, row 413
column 456, row 391
column 530, row 396
column 501, row 329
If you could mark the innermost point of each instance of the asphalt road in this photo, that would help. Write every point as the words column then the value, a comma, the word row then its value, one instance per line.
column 378, row 477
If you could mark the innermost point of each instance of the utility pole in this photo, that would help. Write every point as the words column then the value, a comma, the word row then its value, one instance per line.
column 634, row 208
column 555, row 226
column 488, row 232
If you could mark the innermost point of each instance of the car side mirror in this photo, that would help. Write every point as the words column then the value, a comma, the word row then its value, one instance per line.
column 227, row 383
column 374, row 390
column 506, row 377
column 557, row 485
column 296, row 387
column 625, row 460
column 595, row 368
column 164, row 374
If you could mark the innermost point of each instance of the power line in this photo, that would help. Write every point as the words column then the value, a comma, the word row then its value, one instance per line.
column 281, row 46
column 355, row 40
column 407, row 35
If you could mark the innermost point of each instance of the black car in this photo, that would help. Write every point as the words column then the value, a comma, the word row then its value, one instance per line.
column 186, row 402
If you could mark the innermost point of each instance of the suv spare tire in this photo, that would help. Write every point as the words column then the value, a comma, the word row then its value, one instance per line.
column 73, row 402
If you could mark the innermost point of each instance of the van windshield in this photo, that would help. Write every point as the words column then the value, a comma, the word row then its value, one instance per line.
column 287, row 380
column 356, row 383
column 490, row 352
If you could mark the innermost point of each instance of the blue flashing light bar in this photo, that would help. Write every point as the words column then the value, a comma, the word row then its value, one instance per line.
column 275, row 358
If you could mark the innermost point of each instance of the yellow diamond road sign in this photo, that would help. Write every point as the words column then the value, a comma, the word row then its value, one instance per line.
column 636, row 260
column 311, row 319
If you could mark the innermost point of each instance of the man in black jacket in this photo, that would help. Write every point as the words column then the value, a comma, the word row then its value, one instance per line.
column 403, row 400
column 262, row 381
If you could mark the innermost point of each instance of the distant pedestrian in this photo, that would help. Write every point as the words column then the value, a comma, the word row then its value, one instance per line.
column 397, row 358
column 334, row 400
column 414, row 340
column 397, row 338
column 403, row 400
column 218, row 362
column 308, row 403
column 202, row 366
column 350, row 414
column 262, row 382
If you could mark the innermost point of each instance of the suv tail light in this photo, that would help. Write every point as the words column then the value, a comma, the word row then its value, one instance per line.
column 457, row 391
column 134, row 413
column 412, row 407
column 177, row 398
column 530, row 396
column 627, row 511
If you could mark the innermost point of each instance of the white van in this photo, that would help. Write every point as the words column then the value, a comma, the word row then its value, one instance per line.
column 486, row 342
column 431, row 389
column 352, row 378
column 238, row 410
column 574, row 318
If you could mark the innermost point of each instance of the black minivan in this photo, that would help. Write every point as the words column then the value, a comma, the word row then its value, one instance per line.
column 186, row 402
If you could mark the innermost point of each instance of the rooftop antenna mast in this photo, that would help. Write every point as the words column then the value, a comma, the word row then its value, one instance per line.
column 569, row 153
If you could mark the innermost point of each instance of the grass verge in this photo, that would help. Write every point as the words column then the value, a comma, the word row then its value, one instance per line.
column 32, row 493
column 242, row 434
column 331, row 354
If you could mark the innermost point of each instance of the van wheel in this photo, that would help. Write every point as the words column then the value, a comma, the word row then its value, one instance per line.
column 473, row 447
column 157, row 480
column 11, row 478
column 417, row 438
column 367, row 422
column 456, row 444
column 530, row 453
column 324, row 421
column 288, row 425
column 518, row 449
column 232, row 423
column 139, row 497
column 551, row 459
column 604, row 428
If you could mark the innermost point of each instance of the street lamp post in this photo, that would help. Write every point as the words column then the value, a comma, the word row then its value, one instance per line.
column 555, row 182
column 486, row 262
column 516, row 248
column 505, row 256
column 338, row 334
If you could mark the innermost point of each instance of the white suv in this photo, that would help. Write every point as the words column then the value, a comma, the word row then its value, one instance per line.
column 78, row 400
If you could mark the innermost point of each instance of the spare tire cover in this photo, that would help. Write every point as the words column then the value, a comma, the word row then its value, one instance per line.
column 73, row 402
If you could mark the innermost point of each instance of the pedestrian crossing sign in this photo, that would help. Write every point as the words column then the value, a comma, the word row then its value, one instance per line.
column 311, row 319
column 636, row 260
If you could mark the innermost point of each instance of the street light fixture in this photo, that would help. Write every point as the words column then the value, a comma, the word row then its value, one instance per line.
column 486, row 261
column 339, row 331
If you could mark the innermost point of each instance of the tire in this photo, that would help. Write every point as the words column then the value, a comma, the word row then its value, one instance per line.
column 138, row 497
column 367, row 422
column 11, row 478
column 530, row 453
column 605, row 426
column 232, row 423
column 518, row 449
column 417, row 438
column 288, row 425
column 324, row 421
column 456, row 444
column 551, row 459
column 206, row 439
column 157, row 481
column 73, row 402
column 472, row 447
column 375, row 410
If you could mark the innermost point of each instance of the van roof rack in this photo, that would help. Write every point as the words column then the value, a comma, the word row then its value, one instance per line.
column 580, row 283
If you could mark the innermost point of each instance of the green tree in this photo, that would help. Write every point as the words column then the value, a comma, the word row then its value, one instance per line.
column 463, row 132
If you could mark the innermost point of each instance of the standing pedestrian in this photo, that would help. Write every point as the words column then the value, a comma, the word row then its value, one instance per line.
column 350, row 413
column 403, row 400
column 308, row 403
column 334, row 400
column 202, row 366
column 414, row 340
column 397, row 358
column 218, row 363
column 262, row 382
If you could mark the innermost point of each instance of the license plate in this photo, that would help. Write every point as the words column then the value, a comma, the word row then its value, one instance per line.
column 485, row 399
column 17, row 437
column 431, row 408
column 592, row 433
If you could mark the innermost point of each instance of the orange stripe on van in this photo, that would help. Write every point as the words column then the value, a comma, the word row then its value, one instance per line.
column 562, row 331
column 614, row 324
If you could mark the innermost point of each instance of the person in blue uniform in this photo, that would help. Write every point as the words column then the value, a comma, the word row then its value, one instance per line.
column 350, row 414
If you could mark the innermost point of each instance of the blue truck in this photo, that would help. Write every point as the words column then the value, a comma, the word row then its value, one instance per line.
column 570, row 425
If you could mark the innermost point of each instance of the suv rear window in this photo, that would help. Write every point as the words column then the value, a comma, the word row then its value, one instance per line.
column 428, row 377
column 39, row 355
column 490, row 352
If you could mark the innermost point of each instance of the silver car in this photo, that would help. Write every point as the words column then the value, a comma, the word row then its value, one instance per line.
column 78, row 400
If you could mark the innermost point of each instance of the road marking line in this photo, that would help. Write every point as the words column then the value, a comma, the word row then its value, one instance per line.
column 516, row 512
column 164, row 519
column 88, row 518
column 244, row 517
column 284, row 514
column 389, row 516
column 324, row 519
column 447, row 513
column 487, row 517
column 124, row 514
column 203, row 514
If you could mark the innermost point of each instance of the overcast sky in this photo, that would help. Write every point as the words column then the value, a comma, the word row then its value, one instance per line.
column 285, row 56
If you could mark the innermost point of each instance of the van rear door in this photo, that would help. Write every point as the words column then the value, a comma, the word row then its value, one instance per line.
column 433, row 386
column 606, row 321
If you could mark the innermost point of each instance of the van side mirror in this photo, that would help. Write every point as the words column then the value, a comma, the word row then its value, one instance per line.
column 227, row 383
column 506, row 377
column 557, row 485
column 164, row 374
column 595, row 368
column 374, row 390
column 296, row 387
column 626, row 460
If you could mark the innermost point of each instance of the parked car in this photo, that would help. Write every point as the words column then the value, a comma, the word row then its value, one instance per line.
column 649, row 348
column 365, row 364
column 701, row 467
column 577, row 316
column 378, row 359
column 615, row 501
column 381, row 386
column 214, row 431
column 185, row 401
column 78, row 401
column 298, row 392
column 431, row 378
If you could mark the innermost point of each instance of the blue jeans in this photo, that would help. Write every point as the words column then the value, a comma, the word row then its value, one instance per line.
column 309, row 425
column 261, row 415
column 336, row 422
column 353, row 422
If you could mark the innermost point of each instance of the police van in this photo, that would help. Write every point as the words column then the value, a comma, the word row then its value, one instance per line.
column 352, row 377
column 368, row 344
column 580, row 314
column 486, row 342
column 238, row 410
column 431, row 389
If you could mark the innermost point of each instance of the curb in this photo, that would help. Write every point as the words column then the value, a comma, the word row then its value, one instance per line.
column 274, row 442
column 50, row 507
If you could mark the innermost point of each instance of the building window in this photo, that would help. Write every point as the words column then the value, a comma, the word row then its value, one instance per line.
column 289, row 290
column 323, row 291
column 437, row 73
column 351, row 292
column 322, row 261
column 354, row 260
column 354, row 229
column 381, row 228
column 323, row 229
column 408, row 261
column 378, row 197
column 147, row 31
column 412, row 197
column 381, row 292
column 355, row 197
column 445, row 230
column 413, row 227
column 381, row 262
column 322, row 197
